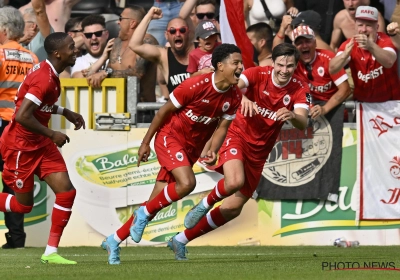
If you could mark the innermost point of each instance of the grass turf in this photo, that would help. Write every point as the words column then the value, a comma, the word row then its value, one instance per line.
column 220, row 263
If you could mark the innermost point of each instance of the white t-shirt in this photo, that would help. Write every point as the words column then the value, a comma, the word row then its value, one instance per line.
column 84, row 62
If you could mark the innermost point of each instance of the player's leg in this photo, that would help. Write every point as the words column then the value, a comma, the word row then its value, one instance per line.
column 230, row 209
column 233, row 180
column 184, row 184
column 111, row 243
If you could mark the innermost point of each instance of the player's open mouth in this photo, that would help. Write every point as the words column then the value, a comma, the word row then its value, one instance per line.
column 237, row 74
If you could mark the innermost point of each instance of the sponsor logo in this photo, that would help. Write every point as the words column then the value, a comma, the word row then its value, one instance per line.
column 373, row 74
column 47, row 108
column 394, row 198
column 266, row 113
column 16, row 55
column 395, row 169
column 266, row 92
column 165, row 215
column 200, row 119
column 323, row 88
column 205, row 101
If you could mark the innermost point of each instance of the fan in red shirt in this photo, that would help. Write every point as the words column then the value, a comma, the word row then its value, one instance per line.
column 327, row 90
column 372, row 58
column 279, row 95
column 200, row 107
column 28, row 146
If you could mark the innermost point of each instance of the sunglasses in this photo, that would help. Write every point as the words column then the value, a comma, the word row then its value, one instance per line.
column 89, row 35
column 309, row 72
column 76, row 30
column 121, row 18
column 203, row 15
column 182, row 30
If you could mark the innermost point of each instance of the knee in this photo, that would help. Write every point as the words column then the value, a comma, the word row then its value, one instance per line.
column 187, row 185
column 234, row 184
column 22, row 209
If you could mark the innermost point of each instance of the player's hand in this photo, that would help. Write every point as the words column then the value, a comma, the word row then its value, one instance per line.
column 59, row 138
column 248, row 107
column 209, row 159
column 283, row 114
column 96, row 79
column 349, row 47
column 143, row 153
column 155, row 12
column 393, row 28
column 74, row 118
column 317, row 111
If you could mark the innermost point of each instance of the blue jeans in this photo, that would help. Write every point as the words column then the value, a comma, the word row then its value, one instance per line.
column 157, row 27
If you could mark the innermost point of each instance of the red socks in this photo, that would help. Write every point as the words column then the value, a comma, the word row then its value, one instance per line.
column 217, row 194
column 8, row 203
column 211, row 221
column 123, row 232
column 60, row 216
column 163, row 199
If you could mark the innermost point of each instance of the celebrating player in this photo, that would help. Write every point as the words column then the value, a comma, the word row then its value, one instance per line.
column 28, row 146
column 279, row 95
column 183, row 125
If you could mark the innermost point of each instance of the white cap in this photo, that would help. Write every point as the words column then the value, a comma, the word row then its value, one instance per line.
column 367, row 13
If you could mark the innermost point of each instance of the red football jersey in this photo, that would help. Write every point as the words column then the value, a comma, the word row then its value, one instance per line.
column 324, row 84
column 41, row 86
column 261, row 130
column 201, row 106
column 372, row 81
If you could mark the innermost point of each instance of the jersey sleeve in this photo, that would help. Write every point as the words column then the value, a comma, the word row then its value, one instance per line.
column 193, row 63
column 338, row 77
column 343, row 47
column 183, row 94
column 230, row 114
column 303, row 98
column 38, row 86
column 250, row 78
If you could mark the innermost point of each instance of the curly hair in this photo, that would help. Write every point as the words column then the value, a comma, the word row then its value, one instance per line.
column 92, row 20
column 222, row 52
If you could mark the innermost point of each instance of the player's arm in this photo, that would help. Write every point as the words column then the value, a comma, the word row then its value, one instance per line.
column 384, row 56
column 163, row 114
column 339, row 97
column 341, row 58
column 146, row 51
column 25, row 118
column 336, row 35
column 42, row 20
column 393, row 29
column 217, row 140
column 71, row 116
column 298, row 117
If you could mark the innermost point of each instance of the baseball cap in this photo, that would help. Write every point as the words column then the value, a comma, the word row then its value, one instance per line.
column 303, row 31
column 206, row 29
column 310, row 18
column 367, row 13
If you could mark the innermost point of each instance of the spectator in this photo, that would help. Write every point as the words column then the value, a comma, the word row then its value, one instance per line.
column 58, row 12
column 393, row 31
column 12, row 56
column 344, row 23
column 170, row 10
column 327, row 90
column 260, row 35
column 37, row 28
column 200, row 58
column 95, row 37
column 372, row 59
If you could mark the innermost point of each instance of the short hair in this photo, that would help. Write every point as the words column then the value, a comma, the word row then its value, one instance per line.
column 262, row 31
column 31, row 13
column 222, row 52
column 71, row 23
column 12, row 21
column 54, row 42
column 205, row 2
column 92, row 20
column 138, row 11
column 285, row 49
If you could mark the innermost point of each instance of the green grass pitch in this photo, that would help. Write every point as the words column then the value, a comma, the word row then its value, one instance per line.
column 209, row 263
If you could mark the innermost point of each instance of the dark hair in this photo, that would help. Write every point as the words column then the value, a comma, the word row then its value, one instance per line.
column 205, row 2
column 262, row 31
column 138, row 11
column 54, row 41
column 93, row 19
column 222, row 52
column 70, row 24
column 285, row 49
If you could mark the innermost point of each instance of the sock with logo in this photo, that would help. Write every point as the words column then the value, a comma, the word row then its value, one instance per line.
column 217, row 194
column 162, row 200
column 62, row 211
column 211, row 221
column 123, row 232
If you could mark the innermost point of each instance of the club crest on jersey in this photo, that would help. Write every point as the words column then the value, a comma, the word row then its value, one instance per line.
column 19, row 183
column 286, row 99
column 233, row 151
column 179, row 156
column 225, row 107
column 321, row 71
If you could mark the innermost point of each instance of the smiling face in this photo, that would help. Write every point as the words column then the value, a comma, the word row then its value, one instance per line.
column 367, row 27
column 67, row 53
column 284, row 67
column 306, row 48
column 95, row 45
column 178, row 41
column 231, row 68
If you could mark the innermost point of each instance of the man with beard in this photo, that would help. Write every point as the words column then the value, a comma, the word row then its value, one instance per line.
column 344, row 23
column 95, row 37
column 260, row 35
column 29, row 147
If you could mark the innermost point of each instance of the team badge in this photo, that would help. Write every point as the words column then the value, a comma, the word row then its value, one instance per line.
column 19, row 183
column 206, row 80
column 225, row 107
column 321, row 71
column 233, row 151
column 179, row 156
column 286, row 99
